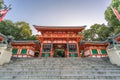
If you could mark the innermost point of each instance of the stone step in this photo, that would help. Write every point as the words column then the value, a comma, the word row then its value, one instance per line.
column 22, row 69
column 77, row 61
column 62, row 66
column 60, row 73
column 59, row 77
column 60, row 69
column 62, row 60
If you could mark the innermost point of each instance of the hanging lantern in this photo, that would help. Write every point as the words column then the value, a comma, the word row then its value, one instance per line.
column 59, row 46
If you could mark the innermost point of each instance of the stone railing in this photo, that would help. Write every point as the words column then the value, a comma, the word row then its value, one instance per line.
column 114, row 54
column 5, row 53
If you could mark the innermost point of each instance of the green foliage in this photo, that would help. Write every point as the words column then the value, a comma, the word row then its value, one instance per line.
column 33, row 37
column 101, row 32
column 97, row 32
column 59, row 53
column 113, row 22
column 1, row 3
column 19, row 30
column 24, row 29
column 7, row 28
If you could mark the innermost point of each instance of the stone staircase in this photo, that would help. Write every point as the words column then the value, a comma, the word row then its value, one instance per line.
column 60, row 69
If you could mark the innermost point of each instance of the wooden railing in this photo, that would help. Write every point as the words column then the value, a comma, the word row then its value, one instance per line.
column 60, row 36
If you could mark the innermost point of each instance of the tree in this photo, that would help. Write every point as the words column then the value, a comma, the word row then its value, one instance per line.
column 87, row 35
column 6, row 27
column 113, row 22
column 1, row 3
column 19, row 30
column 25, row 31
column 33, row 37
column 97, row 32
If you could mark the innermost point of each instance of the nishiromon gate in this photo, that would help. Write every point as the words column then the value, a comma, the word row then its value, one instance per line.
column 64, row 38
column 59, row 41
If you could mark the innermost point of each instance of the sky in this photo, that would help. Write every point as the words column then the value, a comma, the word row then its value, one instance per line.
column 58, row 12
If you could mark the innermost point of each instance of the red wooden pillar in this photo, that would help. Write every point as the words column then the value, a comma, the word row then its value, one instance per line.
column 67, row 50
column 51, row 53
column 99, row 52
column 78, row 50
column 41, row 48
column 90, row 51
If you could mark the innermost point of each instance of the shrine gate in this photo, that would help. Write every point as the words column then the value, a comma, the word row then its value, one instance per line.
column 64, row 38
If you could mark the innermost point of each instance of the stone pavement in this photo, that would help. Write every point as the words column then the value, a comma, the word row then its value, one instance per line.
column 60, row 69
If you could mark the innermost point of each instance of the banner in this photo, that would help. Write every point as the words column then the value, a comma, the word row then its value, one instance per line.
column 2, row 14
column 4, row 11
column 116, row 13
